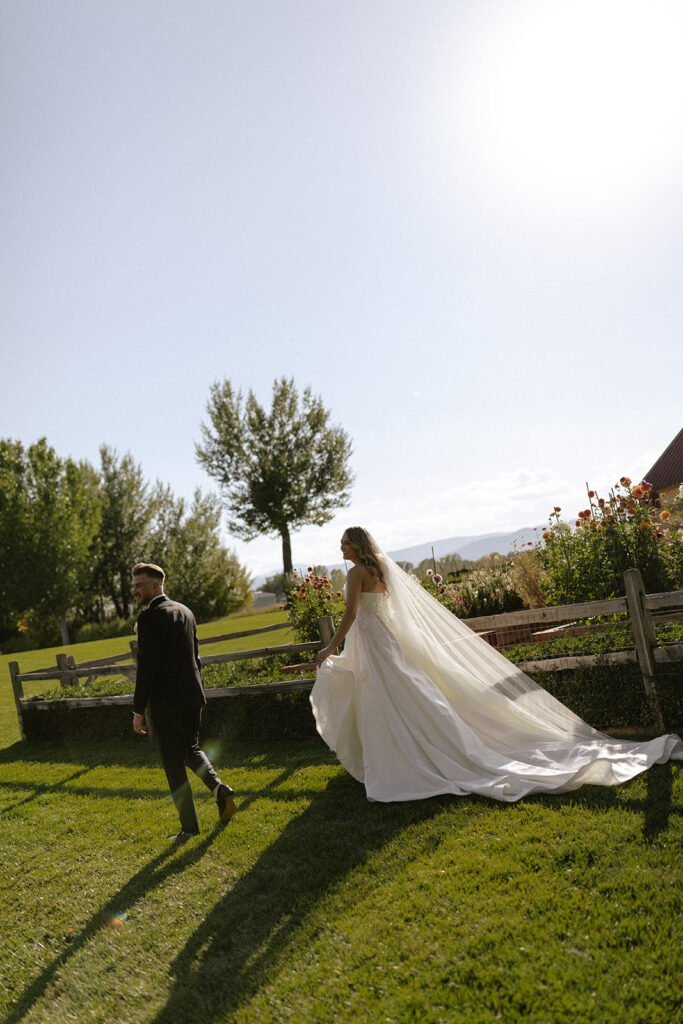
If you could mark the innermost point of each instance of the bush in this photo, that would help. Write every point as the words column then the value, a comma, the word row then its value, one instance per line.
column 486, row 591
column 104, row 630
column 628, row 530
column 311, row 598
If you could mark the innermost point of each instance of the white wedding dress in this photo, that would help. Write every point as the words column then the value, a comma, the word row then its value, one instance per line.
column 417, row 705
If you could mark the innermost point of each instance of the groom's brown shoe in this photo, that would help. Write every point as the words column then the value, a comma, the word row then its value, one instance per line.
column 225, row 798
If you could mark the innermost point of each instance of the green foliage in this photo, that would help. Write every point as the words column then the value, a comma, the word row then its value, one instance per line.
column 618, row 637
column 627, row 530
column 485, row 591
column 312, row 597
column 279, row 470
column 49, row 516
column 128, row 508
column 106, row 630
column 200, row 572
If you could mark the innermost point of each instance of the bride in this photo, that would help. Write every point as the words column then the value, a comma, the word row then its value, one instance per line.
column 418, row 705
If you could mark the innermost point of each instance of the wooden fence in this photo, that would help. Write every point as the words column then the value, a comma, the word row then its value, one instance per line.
column 535, row 625
column 68, row 673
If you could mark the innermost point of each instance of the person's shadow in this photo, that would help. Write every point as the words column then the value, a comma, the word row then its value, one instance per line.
column 144, row 881
column 250, row 930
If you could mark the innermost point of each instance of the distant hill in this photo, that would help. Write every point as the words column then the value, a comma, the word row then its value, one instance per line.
column 470, row 548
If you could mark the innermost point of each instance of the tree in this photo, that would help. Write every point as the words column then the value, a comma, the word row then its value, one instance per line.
column 127, row 512
column 200, row 572
column 279, row 470
column 49, row 516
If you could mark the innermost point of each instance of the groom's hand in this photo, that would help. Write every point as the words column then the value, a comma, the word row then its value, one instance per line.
column 139, row 724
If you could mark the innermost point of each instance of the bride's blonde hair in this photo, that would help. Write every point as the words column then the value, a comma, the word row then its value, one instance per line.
column 361, row 540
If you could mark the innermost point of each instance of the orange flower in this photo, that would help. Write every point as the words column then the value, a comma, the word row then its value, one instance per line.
column 665, row 515
column 638, row 491
column 625, row 481
column 644, row 526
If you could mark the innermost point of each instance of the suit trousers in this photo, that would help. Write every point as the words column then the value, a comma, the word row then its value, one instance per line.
column 177, row 733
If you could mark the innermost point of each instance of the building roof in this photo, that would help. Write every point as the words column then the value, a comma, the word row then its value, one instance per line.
column 668, row 469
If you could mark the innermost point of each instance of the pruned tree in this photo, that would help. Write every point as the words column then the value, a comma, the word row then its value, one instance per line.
column 279, row 470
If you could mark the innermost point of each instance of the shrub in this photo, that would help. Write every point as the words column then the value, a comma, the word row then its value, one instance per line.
column 104, row 630
column 486, row 591
column 628, row 530
column 311, row 598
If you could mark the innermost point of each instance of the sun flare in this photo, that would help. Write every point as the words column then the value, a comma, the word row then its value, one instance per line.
column 578, row 103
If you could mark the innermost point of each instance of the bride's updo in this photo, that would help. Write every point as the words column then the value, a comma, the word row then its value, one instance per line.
column 361, row 540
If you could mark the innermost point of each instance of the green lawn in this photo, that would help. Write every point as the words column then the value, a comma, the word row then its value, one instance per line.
column 315, row 905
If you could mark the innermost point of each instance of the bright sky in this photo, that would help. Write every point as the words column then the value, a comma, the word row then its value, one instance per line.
column 459, row 222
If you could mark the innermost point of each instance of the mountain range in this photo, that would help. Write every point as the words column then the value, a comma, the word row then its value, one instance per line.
column 468, row 547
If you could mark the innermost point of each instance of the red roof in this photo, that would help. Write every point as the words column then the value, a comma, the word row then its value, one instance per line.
column 668, row 469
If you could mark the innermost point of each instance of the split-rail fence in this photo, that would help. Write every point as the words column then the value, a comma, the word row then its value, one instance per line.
column 528, row 625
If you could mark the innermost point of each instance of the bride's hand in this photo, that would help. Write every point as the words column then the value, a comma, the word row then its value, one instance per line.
column 322, row 656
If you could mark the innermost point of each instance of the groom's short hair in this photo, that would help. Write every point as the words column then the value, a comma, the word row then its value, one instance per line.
column 149, row 569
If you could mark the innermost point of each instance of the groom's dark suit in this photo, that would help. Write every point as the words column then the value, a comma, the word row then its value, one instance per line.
column 169, row 680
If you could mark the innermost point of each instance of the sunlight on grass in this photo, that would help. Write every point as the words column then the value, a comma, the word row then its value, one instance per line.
column 315, row 905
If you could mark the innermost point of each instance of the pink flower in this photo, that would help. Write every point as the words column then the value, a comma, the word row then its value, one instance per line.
column 437, row 578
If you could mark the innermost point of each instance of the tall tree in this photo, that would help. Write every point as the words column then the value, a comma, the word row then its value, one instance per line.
column 279, row 470
column 200, row 571
column 49, row 515
column 128, row 508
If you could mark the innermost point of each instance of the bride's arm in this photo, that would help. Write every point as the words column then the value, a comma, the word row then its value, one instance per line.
column 353, row 588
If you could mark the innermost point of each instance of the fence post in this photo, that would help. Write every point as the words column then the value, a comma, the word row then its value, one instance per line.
column 18, row 691
column 645, row 637
column 66, row 665
column 326, row 629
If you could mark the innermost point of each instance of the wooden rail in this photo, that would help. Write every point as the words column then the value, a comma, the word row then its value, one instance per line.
column 68, row 673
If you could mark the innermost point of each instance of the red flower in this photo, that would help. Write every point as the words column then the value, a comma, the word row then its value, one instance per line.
column 645, row 486
column 557, row 508
column 591, row 494
column 601, row 502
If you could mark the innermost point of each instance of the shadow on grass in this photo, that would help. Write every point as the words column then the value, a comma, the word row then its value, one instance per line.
column 137, row 888
column 249, row 931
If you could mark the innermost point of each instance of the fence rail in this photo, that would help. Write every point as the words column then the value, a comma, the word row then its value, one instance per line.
column 68, row 673
column 499, row 630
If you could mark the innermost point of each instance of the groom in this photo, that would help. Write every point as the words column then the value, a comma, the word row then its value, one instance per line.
column 169, row 681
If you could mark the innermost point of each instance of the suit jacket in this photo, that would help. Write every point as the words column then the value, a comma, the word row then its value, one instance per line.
column 169, row 668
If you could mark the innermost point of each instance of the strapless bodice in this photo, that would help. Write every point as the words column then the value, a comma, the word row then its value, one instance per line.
column 374, row 604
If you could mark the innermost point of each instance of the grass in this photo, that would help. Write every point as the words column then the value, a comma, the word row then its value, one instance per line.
column 317, row 906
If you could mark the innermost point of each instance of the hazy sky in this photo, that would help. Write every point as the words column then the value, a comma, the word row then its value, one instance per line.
column 459, row 222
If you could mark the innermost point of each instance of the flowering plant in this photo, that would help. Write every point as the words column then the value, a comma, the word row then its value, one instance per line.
column 630, row 528
column 311, row 597
column 485, row 591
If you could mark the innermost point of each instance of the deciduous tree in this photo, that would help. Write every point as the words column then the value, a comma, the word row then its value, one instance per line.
column 279, row 469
